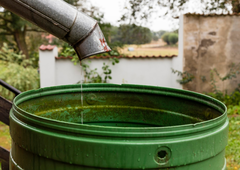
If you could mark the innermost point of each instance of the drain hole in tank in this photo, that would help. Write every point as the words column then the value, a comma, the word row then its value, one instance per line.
column 162, row 154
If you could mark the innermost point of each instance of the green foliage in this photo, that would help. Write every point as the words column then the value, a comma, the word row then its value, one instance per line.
column 232, row 101
column 165, row 38
column 9, row 56
column 132, row 34
column 92, row 76
column 16, row 71
column 67, row 51
column 220, row 94
column 170, row 38
column 73, row 2
column 234, row 70
column 155, row 38
column 234, row 110
column 107, row 72
column 228, row 99
column 173, row 38
column 233, row 148
column 186, row 76
column 157, row 35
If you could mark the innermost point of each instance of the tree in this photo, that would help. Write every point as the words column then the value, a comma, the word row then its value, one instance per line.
column 170, row 38
column 157, row 35
column 12, row 25
column 173, row 38
column 133, row 34
column 18, row 71
column 165, row 38
column 138, row 10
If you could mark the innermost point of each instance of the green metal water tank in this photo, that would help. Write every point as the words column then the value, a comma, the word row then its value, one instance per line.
column 124, row 127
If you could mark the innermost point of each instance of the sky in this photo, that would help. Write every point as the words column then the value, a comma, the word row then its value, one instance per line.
column 113, row 10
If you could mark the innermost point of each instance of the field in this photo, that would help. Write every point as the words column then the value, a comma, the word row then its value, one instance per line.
column 232, row 150
column 155, row 48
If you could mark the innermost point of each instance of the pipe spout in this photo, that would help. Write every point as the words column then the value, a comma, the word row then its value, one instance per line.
column 64, row 21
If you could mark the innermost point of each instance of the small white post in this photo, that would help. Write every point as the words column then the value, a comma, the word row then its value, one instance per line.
column 47, row 56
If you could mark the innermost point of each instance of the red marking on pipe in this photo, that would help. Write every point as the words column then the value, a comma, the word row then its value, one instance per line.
column 103, row 43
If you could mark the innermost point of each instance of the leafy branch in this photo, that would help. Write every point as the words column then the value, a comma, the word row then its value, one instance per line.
column 93, row 76
column 186, row 76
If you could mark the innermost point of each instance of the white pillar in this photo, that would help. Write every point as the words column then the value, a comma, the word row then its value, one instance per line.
column 177, row 62
column 47, row 56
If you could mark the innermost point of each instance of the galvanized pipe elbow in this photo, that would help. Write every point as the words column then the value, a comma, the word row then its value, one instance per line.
column 64, row 21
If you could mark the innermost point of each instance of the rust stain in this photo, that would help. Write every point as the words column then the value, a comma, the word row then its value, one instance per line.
column 103, row 43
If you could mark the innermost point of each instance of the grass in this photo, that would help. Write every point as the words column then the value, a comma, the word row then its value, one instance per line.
column 5, row 139
column 232, row 149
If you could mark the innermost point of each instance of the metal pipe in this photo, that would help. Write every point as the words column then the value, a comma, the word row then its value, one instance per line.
column 64, row 21
column 9, row 87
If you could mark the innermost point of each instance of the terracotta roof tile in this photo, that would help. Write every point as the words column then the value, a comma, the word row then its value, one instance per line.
column 130, row 57
column 210, row 15
column 47, row 47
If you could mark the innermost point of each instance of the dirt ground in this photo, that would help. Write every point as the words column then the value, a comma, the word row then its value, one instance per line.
column 155, row 48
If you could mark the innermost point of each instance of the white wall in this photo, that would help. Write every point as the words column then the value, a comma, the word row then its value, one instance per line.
column 145, row 71
column 67, row 72
column 47, row 67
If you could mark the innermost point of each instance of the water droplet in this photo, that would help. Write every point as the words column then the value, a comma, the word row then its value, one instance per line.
column 139, row 159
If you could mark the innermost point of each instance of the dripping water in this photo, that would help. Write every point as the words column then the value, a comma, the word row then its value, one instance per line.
column 81, row 81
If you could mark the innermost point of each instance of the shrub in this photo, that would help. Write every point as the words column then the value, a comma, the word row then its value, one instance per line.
column 17, row 71
column 170, row 38
column 165, row 38
column 173, row 38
